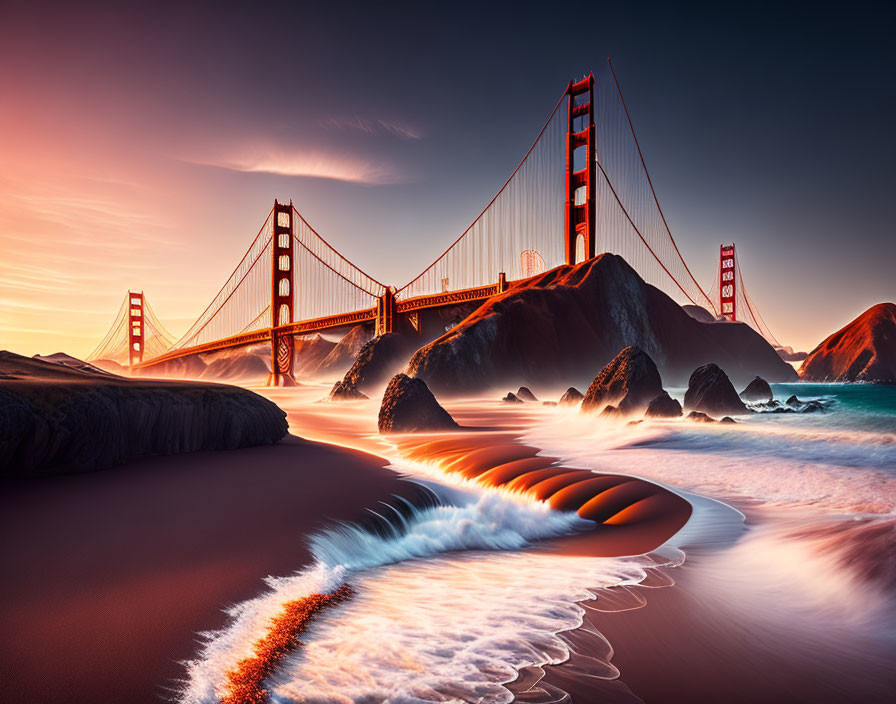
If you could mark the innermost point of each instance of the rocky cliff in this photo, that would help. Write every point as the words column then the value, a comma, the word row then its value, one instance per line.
column 561, row 328
column 864, row 350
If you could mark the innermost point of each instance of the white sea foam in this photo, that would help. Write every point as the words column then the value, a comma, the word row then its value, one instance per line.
column 789, row 462
column 347, row 553
column 455, row 628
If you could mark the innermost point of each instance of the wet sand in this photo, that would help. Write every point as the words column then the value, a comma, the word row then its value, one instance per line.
column 108, row 576
column 680, row 648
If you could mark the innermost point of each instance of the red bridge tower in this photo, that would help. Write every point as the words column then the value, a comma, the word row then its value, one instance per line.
column 727, row 282
column 135, row 328
column 579, row 225
column 282, row 284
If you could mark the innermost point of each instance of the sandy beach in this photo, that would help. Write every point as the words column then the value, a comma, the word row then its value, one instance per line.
column 112, row 574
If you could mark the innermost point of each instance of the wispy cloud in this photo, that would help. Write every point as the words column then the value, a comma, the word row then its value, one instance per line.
column 309, row 164
column 373, row 126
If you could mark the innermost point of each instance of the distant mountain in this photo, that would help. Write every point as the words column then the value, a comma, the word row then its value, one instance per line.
column 788, row 355
column 561, row 328
column 864, row 350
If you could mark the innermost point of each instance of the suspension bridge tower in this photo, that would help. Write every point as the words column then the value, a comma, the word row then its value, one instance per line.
column 727, row 283
column 282, row 296
column 136, row 328
column 579, row 225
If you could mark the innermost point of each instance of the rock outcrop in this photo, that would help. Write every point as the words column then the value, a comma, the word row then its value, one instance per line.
column 377, row 361
column 56, row 419
column 571, row 397
column 524, row 394
column 757, row 391
column 711, row 391
column 663, row 406
column 512, row 398
column 699, row 417
column 864, row 350
column 408, row 406
column 564, row 325
column 629, row 382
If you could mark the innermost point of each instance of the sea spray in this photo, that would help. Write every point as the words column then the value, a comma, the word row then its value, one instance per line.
column 347, row 553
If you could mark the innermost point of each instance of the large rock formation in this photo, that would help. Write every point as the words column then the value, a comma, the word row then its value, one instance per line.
column 564, row 325
column 757, row 391
column 409, row 406
column 711, row 391
column 629, row 382
column 864, row 350
column 663, row 406
column 55, row 419
column 377, row 361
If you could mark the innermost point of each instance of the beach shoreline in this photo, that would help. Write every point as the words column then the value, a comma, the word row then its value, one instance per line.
column 112, row 574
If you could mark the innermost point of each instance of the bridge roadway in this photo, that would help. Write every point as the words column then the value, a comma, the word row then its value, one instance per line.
column 331, row 322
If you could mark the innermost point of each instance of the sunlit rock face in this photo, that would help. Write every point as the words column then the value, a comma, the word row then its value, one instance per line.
column 711, row 391
column 864, row 350
column 55, row 419
column 757, row 390
column 629, row 383
column 409, row 406
column 562, row 327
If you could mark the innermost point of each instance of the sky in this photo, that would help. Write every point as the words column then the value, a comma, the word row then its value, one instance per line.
column 142, row 147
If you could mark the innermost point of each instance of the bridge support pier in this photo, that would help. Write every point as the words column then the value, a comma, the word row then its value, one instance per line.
column 386, row 312
column 579, row 221
column 282, row 296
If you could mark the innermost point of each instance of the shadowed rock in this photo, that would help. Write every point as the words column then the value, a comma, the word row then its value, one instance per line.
column 700, row 417
column 409, row 406
column 727, row 419
column 794, row 402
column 525, row 394
column 56, row 419
column 663, row 406
column 757, row 390
column 630, row 382
column 375, row 364
column 511, row 398
column 571, row 397
column 710, row 390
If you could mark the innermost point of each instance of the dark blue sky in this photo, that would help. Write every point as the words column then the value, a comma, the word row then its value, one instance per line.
column 766, row 125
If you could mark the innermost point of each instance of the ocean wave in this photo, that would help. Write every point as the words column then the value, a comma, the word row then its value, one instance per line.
column 773, row 461
column 347, row 552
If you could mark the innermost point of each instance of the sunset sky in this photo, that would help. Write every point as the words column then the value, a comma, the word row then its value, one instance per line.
column 142, row 147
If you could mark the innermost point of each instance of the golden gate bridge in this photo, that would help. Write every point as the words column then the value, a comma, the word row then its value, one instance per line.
column 581, row 189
